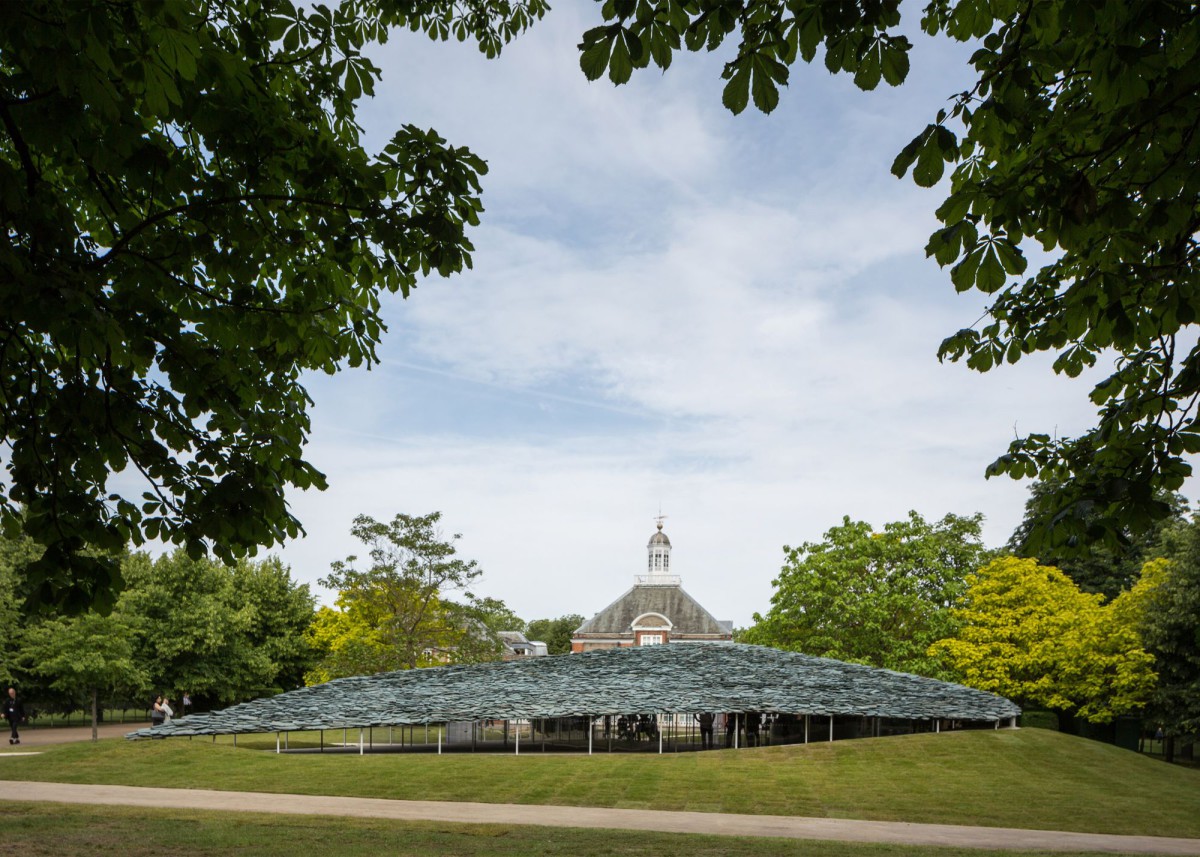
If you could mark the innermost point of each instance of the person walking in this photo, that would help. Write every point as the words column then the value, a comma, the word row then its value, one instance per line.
column 706, row 729
column 157, row 715
column 14, row 713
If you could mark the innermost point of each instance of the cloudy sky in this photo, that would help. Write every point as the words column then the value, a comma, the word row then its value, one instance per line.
column 728, row 318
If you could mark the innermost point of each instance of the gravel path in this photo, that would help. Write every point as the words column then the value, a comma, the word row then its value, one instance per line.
column 844, row 830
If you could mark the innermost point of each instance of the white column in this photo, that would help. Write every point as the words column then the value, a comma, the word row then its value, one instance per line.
column 737, row 721
column 517, row 726
column 360, row 741
column 805, row 728
column 590, row 730
column 439, row 742
column 831, row 728
column 276, row 743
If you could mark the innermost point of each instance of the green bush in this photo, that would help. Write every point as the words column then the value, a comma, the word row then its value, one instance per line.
column 1040, row 720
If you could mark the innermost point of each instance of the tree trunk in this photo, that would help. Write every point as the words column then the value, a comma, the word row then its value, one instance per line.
column 95, row 714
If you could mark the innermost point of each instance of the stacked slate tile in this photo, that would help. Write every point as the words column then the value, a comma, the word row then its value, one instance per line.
column 666, row 679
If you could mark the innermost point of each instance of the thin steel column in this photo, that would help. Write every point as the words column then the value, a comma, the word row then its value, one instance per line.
column 737, row 727
column 830, row 728
column 360, row 741
column 439, row 742
column 805, row 728
column 518, row 738
column 590, row 724
column 276, row 743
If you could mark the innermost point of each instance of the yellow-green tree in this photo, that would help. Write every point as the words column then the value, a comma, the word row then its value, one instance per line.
column 1029, row 633
column 397, row 614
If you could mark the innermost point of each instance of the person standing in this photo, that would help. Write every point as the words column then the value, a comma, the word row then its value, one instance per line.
column 14, row 713
column 706, row 729
column 157, row 715
column 753, row 719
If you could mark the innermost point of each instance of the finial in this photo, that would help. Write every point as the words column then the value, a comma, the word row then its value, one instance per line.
column 659, row 518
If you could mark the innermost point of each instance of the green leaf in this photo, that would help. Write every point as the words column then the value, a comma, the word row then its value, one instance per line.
column 620, row 65
column 765, row 92
column 895, row 61
column 594, row 60
column 990, row 276
column 930, row 166
column 736, row 94
column 908, row 154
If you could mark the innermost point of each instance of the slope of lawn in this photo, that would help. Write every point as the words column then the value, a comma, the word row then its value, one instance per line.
column 1030, row 778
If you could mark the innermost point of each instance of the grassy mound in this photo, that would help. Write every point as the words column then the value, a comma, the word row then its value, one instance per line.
column 1028, row 778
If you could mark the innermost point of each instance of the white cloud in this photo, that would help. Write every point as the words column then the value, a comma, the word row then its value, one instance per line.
column 728, row 316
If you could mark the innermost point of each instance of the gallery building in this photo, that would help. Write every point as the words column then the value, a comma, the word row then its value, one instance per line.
column 656, row 610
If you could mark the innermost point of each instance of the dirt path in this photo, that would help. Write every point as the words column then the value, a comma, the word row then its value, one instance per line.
column 595, row 817
column 64, row 734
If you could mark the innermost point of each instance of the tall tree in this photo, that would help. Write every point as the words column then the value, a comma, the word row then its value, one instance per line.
column 223, row 634
column 83, row 657
column 1026, row 631
column 1096, row 565
column 282, row 612
column 555, row 633
column 397, row 612
column 15, row 555
column 1168, row 612
column 190, row 223
column 878, row 597
column 1078, row 136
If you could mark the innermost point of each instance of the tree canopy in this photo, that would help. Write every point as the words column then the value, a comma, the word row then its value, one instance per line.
column 1026, row 631
column 190, row 222
column 555, row 633
column 877, row 597
column 224, row 633
column 1106, row 567
column 1078, row 139
column 1168, row 616
column 400, row 612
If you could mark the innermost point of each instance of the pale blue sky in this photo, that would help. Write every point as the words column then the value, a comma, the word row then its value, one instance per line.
column 728, row 316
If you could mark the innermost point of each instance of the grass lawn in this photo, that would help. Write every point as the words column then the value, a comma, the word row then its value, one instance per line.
column 34, row 830
column 1030, row 778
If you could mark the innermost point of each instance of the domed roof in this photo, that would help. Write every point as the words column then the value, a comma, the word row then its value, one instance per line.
column 659, row 538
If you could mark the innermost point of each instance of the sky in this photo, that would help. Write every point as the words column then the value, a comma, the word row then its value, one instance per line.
column 730, row 320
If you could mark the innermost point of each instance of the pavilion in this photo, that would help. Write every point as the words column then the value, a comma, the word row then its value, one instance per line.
column 796, row 697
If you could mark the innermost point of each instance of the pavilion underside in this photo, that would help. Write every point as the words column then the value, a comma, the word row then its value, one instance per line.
column 629, row 698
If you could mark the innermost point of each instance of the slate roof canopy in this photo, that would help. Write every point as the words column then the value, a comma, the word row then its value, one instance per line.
column 681, row 677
